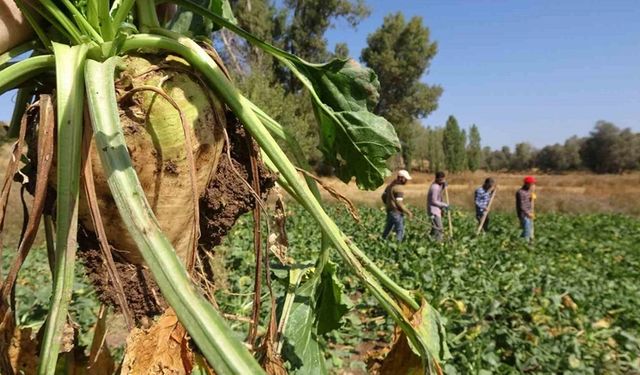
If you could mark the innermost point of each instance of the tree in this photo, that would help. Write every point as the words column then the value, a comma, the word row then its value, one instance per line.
column 499, row 160
column 486, row 154
column 523, row 158
column 571, row 151
column 310, row 19
column 610, row 150
column 474, row 150
column 341, row 50
column 462, row 147
column 435, row 153
column 453, row 141
column 400, row 53
column 551, row 158
column 301, row 26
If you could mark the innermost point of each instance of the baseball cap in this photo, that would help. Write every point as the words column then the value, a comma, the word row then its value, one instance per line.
column 529, row 180
column 404, row 173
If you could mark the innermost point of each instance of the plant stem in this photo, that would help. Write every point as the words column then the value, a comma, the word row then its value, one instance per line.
column 69, row 99
column 147, row 14
column 216, row 341
column 17, row 51
column 15, row 74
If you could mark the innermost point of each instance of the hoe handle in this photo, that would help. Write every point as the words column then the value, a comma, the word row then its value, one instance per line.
column 446, row 196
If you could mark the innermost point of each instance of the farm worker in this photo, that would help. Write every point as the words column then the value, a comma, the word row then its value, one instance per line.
column 393, row 197
column 524, row 206
column 435, row 205
column 482, row 198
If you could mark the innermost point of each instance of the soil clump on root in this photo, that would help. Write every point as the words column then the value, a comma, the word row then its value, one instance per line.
column 225, row 199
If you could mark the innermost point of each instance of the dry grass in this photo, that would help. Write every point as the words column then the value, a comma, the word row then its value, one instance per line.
column 570, row 193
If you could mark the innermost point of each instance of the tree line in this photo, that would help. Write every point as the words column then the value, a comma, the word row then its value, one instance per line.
column 607, row 149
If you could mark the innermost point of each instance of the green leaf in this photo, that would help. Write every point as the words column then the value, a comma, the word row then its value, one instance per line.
column 352, row 139
column 302, row 348
column 70, row 100
column 332, row 303
column 186, row 21
column 317, row 309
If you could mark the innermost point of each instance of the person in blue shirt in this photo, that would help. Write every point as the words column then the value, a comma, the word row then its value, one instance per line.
column 482, row 198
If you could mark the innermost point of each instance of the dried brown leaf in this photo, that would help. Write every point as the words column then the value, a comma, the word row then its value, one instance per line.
column 161, row 349
column 271, row 361
column 23, row 352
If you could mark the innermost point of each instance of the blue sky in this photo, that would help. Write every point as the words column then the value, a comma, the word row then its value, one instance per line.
column 536, row 71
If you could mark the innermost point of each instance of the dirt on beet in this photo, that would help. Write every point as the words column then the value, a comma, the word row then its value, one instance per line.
column 226, row 198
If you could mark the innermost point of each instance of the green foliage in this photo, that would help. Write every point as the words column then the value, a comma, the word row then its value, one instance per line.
column 189, row 23
column 341, row 51
column 523, row 157
column 561, row 157
column 318, row 308
column 353, row 140
column 610, row 149
column 507, row 306
column 474, row 149
column 304, row 36
column 400, row 52
column 294, row 112
column 454, row 146
column 34, row 290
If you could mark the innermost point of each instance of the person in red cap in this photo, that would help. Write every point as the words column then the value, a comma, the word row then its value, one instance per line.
column 524, row 206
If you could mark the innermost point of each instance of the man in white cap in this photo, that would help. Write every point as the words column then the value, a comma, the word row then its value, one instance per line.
column 393, row 197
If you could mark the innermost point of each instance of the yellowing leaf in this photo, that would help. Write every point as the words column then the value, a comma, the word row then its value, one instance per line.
column 602, row 323
column 403, row 359
column 568, row 302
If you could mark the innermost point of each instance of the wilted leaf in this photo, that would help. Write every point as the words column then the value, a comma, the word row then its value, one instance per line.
column 602, row 323
column 271, row 361
column 403, row 358
column 568, row 302
column 161, row 349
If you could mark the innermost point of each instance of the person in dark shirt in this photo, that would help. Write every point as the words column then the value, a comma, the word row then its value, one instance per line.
column 393, row 198
column 524, row 206
column 482, row 198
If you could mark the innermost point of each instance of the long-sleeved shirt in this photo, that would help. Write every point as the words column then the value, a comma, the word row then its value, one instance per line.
column 523, row 203
column 482, row 198
column 434, row 200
